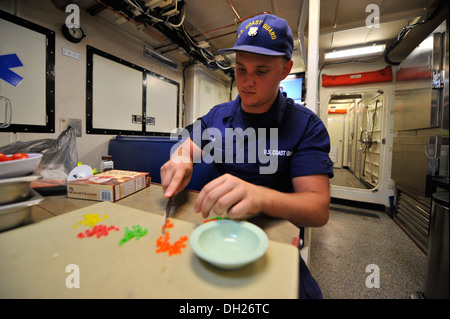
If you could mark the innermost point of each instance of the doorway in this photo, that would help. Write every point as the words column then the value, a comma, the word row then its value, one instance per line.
column 354, row 125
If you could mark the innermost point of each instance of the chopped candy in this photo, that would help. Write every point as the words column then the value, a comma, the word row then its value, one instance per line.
column 165, row 246
column 98, row 231
column 90, row 220
column 215, row 218
column 136, row 231
column 168, row 224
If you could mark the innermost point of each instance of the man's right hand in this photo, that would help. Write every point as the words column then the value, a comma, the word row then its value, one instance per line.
column 175, row 176
column 176, row 173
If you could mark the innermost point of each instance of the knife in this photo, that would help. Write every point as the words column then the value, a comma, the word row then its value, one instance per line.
column 167, row 213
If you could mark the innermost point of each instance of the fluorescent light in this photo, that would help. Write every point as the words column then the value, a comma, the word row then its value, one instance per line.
column 373, row 49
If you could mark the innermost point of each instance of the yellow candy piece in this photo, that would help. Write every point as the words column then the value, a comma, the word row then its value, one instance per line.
column 91, row 219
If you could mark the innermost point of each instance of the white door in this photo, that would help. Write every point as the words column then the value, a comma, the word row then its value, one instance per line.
column 336, row 124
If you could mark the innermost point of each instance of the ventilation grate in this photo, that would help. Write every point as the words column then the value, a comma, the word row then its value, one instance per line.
column 413, row 216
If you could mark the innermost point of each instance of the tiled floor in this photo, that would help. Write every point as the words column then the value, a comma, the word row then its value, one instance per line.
column 355, row 239
column 343, row 177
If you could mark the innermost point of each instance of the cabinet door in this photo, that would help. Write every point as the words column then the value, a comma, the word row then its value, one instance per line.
column 417, row 100
column 161, row 104
column 116, row 95
column 27, row 76
column 413, row 164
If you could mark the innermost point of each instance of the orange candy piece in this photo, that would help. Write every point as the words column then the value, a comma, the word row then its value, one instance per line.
column 163, row 242
column 168, row 224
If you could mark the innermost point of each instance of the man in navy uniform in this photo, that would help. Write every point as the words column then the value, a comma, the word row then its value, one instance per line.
column 270, row 154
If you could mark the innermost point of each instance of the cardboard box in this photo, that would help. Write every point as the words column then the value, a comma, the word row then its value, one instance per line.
column 108, row 186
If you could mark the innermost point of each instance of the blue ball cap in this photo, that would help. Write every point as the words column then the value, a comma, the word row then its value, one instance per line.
column 264, row 34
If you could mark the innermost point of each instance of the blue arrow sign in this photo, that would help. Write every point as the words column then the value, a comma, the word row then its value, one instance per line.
column 8, row 61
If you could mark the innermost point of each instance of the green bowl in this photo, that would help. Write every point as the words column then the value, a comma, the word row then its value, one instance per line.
column 229, row 244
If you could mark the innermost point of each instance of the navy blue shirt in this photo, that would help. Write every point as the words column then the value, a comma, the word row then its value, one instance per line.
column 266, row 149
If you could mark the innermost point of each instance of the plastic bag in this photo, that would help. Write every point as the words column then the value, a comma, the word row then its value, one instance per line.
column 36, row 146
column 59, row 155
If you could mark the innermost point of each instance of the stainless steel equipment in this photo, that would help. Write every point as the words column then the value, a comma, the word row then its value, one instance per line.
column 420, row 148
column 437, row 282
column 18, row 213
column 16, row 189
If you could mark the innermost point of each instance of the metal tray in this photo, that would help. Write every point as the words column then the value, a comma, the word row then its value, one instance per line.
column 16, row 214
column 16, row 189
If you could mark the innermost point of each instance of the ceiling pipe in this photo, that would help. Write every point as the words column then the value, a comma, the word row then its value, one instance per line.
column 234, row 10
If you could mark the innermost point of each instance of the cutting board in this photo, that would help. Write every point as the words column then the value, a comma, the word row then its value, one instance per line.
column 48, row 260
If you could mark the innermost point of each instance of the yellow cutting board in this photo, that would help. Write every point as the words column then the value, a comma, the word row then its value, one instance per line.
column 48, row 260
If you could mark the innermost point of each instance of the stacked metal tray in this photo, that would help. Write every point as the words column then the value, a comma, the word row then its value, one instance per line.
column 16, row 196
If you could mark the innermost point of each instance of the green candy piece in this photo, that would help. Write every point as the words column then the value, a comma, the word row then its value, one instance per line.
column 136, row 231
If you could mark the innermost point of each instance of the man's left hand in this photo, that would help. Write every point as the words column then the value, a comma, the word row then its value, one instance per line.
column 231, row 195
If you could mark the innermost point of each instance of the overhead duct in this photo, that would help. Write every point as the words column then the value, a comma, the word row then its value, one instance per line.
column 160, row 58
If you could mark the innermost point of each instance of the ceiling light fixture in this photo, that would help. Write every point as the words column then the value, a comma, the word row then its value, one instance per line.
column 355, row 52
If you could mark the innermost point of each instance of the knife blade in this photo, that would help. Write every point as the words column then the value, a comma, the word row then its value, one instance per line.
column 167, row 213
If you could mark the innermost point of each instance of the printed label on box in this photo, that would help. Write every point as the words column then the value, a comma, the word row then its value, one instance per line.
column 108, row 186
